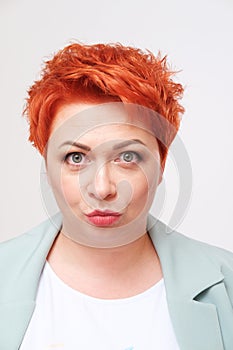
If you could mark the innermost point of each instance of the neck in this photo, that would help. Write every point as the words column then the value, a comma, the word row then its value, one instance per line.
column 106, row 272
column 119, row 260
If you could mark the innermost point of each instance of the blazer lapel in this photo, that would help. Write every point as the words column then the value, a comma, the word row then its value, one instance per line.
column 17, row 298
column 15, row 317
column 188, row 275
column 195, row 324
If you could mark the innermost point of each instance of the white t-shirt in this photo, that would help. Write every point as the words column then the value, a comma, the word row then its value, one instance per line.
column 65, row 319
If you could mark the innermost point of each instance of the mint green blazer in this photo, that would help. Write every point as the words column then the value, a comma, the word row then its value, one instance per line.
column 198, row 280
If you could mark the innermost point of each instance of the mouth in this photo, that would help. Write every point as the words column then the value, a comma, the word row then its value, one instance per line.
column 103, row 218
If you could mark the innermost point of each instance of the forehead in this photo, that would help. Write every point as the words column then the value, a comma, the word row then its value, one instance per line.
column 92, row 115
column 75, row 121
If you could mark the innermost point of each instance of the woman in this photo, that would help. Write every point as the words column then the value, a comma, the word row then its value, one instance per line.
column 103, row 273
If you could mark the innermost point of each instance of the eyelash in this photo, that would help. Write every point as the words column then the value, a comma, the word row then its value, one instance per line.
column 135, row 154
column 69, row 155
column 117, row 160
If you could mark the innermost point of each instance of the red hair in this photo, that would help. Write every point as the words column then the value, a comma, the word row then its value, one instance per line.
column 100, row 73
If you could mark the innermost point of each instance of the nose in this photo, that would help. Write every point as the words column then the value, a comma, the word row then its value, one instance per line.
column 102, row 185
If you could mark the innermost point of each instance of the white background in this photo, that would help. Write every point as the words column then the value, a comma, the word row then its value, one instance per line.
column 198, row 39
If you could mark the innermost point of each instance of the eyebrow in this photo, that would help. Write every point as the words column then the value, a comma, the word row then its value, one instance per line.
column 127, row 143
column 76, row 144
column 117, row 146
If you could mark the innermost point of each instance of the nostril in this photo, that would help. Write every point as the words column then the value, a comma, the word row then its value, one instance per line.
column 102, row 190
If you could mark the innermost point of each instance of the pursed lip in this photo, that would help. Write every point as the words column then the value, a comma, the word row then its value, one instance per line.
column 103, row 218
column 103, row 213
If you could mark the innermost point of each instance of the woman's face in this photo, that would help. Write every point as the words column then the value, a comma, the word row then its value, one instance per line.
column 104, row 167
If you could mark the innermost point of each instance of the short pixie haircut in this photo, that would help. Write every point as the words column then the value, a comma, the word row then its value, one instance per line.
column 102, row 73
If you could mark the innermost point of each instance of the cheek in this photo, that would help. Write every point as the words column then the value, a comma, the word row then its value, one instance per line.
column 144, row 187
column 69, row 188
column 140, row 189
column 65, row 187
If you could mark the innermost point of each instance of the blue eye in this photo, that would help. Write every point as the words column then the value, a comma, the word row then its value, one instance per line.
column 130, row 157
column 75, row 158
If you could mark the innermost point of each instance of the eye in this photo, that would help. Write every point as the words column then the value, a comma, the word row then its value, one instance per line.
column 129, row 157
column 75, row 158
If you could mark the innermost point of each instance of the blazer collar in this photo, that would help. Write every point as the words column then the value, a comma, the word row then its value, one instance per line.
column 185, row 264
column 188, row 272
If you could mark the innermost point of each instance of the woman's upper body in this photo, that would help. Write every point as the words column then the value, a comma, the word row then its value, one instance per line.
column 103, row 118
column 198, row 280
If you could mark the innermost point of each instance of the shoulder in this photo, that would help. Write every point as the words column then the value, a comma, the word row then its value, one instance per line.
column 21, row 247
column 178, row 250
column 216, row 254
column 164, row 235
